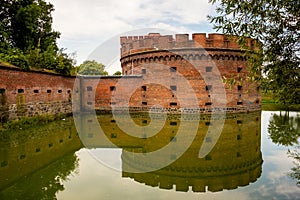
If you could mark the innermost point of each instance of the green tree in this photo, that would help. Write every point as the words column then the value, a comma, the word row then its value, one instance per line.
column 64, row 63
column 27, row 38
column 276, row 24
column 4, row 24
column 15, row 57
column 29, row 24
column 91, row 67
column 118, row 73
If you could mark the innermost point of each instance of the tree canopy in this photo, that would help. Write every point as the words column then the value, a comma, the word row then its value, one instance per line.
column 27, row 38
column 117, row 73
column 276, row 25
column 284, row 129
column 91, row 67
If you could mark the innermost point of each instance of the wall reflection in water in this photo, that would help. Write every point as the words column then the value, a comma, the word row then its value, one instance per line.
column 35, row 160
column 235, row 159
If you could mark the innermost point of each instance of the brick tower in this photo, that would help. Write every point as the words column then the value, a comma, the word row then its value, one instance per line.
column 177, row 70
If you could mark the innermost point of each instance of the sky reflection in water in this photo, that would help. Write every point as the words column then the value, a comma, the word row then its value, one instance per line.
column 84, row 177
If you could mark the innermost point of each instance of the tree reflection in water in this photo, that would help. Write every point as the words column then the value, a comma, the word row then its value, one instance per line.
column 295, row 154
column 285, row 130
column 45, row 183
column 35, row 161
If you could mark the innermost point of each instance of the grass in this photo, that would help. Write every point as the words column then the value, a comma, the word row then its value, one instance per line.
column 29, row 122
column 269, row 104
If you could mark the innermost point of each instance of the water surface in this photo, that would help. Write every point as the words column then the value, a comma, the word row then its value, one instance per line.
column 255, row 156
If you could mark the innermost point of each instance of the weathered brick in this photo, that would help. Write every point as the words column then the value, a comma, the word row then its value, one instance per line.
column 33, row 93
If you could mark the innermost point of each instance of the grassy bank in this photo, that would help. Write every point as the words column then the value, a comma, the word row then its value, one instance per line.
column 268, row 103
column 30, row 121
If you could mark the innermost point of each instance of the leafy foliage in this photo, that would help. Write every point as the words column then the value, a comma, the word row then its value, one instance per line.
column 295, row 154
column 284, row 130
column 118, row 73
column 15, row 57
column 276, row 24
column 27, row 39
column 91, row 67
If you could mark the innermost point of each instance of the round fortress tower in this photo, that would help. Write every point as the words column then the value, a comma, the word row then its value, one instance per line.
column 201, row 63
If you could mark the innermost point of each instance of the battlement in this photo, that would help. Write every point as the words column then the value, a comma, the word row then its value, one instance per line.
column 155, row 41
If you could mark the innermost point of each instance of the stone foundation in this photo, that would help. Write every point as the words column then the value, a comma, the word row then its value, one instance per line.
column 33, row 93
column 242, row 109
column 41, row 108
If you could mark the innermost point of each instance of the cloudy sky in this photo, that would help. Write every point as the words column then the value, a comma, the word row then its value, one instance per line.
column 86, row 25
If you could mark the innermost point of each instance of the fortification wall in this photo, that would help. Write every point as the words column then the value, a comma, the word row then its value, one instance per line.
column 154, row 41
column 202, row 63
column 161, row 73
column 98, row 93
column 33, row 93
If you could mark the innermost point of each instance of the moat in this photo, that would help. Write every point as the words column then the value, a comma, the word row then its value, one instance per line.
column 233, row 156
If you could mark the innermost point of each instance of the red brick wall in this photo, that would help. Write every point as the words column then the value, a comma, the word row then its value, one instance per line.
column 155, row 54
column 58, row 87
column 198, row 82
column 103, row 92
column 35, row 92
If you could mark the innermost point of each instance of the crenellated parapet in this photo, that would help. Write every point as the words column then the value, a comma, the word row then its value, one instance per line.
column 202, row 60
column 172, row 71
column 155, row 41
column 199, row 183
column 234, row 161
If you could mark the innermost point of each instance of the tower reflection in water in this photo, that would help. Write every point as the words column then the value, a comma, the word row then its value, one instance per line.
column 235, row 159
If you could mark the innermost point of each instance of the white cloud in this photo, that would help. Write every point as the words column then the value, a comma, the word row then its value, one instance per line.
column 85, row 24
